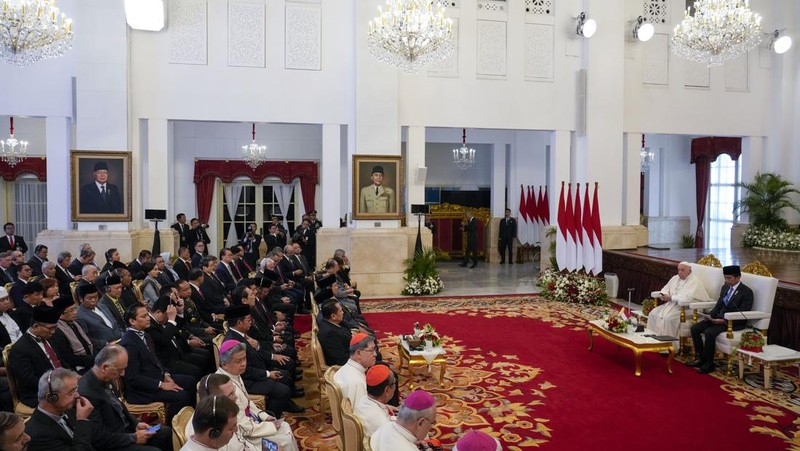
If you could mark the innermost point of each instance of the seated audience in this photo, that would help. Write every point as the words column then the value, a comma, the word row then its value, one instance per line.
column 416, row 418
column 135, row 267
column 150, row 286
column 10, row 331
column 127, row 295
column 733, row 297
column 183, row 265
column 333, row 336
column 226, row 271
column 39, row 257
column 23, row 274
column 167, row 276
column 112, row 256
column 61, row 421
column 48, row 271
column 12, row 433
column 31, row 297
column 84, row 258
column 352, row 376
column 111, row 300
column 214, row 292
column 113, row 427
column 174, row 352
column 97, row 320
column 199, row 253
column 213, row 425
column 372, row 409
column 63, row 275
column 50, row 291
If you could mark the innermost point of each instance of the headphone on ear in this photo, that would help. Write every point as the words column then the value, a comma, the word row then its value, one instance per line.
column 52, row 397
column 214, row 432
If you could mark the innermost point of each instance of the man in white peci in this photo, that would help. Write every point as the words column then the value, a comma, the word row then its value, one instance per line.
column 685, row 286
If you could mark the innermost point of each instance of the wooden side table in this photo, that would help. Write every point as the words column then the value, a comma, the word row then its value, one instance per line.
column 411, row 358
column 772, row 356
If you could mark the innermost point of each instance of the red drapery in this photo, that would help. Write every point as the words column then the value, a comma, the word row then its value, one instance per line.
column 31, row 165
column 704, row 152
column 206, row 171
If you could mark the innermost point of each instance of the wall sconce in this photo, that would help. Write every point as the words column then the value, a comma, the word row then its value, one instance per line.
column 780, row 44
column 646, row 158
column 642, row 30
column 586, row 27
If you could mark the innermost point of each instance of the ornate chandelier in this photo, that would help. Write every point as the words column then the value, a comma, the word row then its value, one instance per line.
column 253, row 153
column 464, row 157
column 646, row 157
column 9, row 152
column 411, row 33
column 33, row 30
column 719, row 31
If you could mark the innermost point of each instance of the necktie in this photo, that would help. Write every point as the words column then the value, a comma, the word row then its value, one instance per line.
column 11, row 242
column 728, row 296
column 51, row 354
column 118, row 407
column 376, row 190
column 63, row 423
column 86, row 345
column 103, row 192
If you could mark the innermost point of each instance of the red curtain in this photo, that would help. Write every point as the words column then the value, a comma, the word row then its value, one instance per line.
column 206, row 171
column 704, row 152
column 30, row 165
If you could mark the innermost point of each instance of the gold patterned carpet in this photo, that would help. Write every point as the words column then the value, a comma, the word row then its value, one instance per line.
column 518, row 368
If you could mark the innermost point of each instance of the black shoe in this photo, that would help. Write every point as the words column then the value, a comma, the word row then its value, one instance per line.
column 502, row 262
column 298, row 393
column 707, row 368
column 294, row 408
column 510, row 263
column 473, row 266
column 298, row 377
column 696, row 363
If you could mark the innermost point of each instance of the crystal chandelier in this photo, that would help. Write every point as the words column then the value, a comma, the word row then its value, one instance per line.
column 253, row 153
column 9, row 152
column 646, row 157
column 411, row 33
column 33, row 30
column 719, row 31
column 464, row 157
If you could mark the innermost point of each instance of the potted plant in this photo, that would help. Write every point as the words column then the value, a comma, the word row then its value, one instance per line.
column 765, row 199
column 752, row 341
column 421, row 274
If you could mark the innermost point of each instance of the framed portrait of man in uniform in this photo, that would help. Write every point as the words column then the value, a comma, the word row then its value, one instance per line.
column 101, row 186
column 377, row 186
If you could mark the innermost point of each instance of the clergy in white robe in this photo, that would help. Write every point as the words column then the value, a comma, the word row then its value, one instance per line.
column 352, row 376
column 683, row 287
column 416, row 417
column 372, row 409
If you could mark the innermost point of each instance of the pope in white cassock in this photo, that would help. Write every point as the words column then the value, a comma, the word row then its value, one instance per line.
column 684, row 287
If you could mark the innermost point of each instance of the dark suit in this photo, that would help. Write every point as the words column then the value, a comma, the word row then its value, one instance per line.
column 145, row 373
column 173, row 351
column 182, row 268
column 112, row 424
column 64, row 278
column 6, row 276
column 135, row 268
column 335, row 341
column 505, row 240
column 183, row 233
column 93, row 202
column 36, row 265
column 95, row 327
column 196, row 258
column 16, row 292
column 226, row 278
column 250, row 246
column 23, row 316
column 213, row 293
column 741, row 300
column 471, row 230
column 46, row 434
column 116, row 315
column 274, row 241
column 30, row 362
column 19, row 244
column 198, row 234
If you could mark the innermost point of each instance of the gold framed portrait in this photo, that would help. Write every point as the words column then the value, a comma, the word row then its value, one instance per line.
column 101, row 186
column 377, row 186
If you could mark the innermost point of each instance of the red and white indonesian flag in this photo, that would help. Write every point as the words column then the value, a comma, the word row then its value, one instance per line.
column 571, row 247
column 578, row 229
column 597, row 230
column 522, row 223
column 533, row 230
column 588, row 234
column 561, row 232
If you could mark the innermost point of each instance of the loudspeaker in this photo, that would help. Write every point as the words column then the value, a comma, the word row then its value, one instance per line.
column 420, row 209
column 155, row 215
column 422, row 174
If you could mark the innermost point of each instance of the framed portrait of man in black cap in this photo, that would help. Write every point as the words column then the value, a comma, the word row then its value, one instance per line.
column 101, row 186
column 377, row 186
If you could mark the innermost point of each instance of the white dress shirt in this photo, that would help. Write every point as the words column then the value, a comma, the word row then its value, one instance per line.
column 11, row 327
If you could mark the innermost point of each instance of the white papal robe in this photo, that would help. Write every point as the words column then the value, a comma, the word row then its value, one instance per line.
column 393, row 437
column 666, row 318
column 352, row 380
column 372, row 413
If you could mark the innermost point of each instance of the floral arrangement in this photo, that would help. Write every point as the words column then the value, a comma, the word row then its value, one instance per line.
column 421, row 275
column 648, row 305
column 616, row 323
column 753, row 341
column 430, row 334
column 422, row 335
column 770, row 238
column 574, row 287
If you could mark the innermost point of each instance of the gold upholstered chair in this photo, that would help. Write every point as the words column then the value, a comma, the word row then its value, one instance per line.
column 19, row 408
column 179, row 423
column 335, row 402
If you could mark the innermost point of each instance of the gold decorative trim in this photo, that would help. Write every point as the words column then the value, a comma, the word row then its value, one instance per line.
column 757, row 268
column 446, row 210
column 710, row 260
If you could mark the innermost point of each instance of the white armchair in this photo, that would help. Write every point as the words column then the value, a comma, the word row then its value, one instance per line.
column 758, row 317
column 712, row 280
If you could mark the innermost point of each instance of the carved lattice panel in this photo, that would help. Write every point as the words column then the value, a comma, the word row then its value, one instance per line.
column 540, row 7
column 656, row 11
column 492, row 44
column 188, row 32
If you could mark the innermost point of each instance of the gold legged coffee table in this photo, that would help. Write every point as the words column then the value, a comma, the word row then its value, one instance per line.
column 636, row 342
column 434, row 356
column 772, row 356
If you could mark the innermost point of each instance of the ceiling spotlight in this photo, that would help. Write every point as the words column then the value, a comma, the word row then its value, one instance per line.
column 147, row 15
column 780, row 44
column 642, row 30
column 586, row 27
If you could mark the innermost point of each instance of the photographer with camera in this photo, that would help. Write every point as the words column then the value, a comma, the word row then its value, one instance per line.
column 197, row 234
column 250, row 243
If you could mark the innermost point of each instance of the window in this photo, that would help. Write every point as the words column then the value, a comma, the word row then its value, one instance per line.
column 256, row 203
column 725, row 174
column 30, row 209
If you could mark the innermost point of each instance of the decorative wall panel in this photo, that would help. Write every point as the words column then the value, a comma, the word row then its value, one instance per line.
column 736, row 77
column 492, row 45
column 540, row 7
column 539, row 51
column 447, row 67
column 188, row 32
column 303, row 36
column 656, row 11
column 696, row 75
column 492, row 5
column 655, row 60
column 246, row 34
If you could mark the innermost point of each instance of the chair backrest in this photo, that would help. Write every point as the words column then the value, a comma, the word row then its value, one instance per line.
column 137, row 289
column 352, row 427
column 318, row 355
column 764, row 289
column 710, row 277
column 73, row 288
column 179, row 423
column 334, row 399
column 314, row 310
column 12, row 380
column 217, row 341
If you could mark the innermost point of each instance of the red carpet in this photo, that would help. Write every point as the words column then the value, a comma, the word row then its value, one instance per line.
column 521, row 369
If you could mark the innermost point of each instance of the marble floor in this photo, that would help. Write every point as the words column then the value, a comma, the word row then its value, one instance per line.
column 487, row 278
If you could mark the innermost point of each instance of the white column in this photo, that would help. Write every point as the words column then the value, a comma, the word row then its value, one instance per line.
column 415, row 159
column 499, row 166
column 631, row 190
column 158, row 178
column 330, row 176
column 560, row 143
column 58, row 138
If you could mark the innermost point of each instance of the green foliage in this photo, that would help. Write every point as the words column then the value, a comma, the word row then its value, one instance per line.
column 687, row 241
column 423, row 265
column 765, row 199
column 442, row 256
